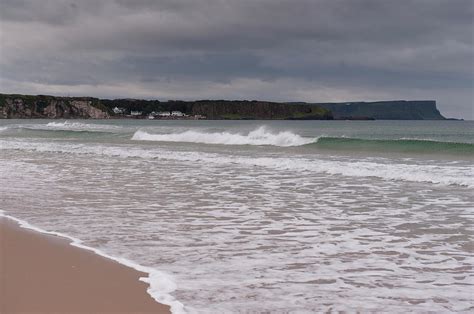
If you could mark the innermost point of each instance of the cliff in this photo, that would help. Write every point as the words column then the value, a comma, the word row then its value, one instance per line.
column 261, row 110
column 385, row 110
column 50, row 107
column 237, row 109
column 41, row 106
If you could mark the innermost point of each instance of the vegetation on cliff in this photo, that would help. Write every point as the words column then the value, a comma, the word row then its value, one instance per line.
column 41, row 106
column 235, row 110
column 45, row 106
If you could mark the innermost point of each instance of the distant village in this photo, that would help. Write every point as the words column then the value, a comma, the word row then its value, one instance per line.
column 161, row 115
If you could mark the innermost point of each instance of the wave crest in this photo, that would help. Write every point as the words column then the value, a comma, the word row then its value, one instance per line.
column 260, row 136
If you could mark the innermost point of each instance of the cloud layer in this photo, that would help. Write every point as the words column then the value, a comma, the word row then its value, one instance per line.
column 298, row 50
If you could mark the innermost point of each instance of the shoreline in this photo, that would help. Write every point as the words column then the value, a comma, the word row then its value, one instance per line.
column 45, row 272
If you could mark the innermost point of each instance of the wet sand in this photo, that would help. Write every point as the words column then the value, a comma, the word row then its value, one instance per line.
column 44, row 274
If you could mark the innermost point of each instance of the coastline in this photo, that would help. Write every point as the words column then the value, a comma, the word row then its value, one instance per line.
column 45, row 273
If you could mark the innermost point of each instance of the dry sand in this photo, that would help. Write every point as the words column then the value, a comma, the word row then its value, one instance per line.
column 44, row 274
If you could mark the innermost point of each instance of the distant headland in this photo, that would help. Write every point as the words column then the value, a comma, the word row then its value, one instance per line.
column 15, row 106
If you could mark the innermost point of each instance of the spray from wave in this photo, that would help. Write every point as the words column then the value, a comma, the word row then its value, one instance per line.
column 260, row 136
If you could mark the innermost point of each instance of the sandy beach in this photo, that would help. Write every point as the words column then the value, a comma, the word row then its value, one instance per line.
column 44, row 274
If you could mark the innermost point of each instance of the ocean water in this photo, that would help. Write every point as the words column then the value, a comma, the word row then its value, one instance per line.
column 259, row 216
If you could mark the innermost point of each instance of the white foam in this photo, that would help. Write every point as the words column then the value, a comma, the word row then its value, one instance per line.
column 241, row 234
column 70, row 126
column 383, row 169
column 66, row 125
column 160, row 283
column 259, row 136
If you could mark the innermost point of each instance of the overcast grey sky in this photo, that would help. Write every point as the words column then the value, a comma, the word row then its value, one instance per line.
column 279, row 50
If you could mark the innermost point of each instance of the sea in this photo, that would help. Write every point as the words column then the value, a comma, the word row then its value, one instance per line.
column 258, row 216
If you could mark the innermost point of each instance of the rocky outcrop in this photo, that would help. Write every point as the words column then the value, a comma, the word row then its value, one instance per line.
column 73, row 108
column 25, row 106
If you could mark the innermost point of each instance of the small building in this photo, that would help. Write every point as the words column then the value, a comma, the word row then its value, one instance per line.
column 177, row 114
column 135, row 113
column 118, row 110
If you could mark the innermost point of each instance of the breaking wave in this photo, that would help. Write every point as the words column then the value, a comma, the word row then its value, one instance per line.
column 260, row 136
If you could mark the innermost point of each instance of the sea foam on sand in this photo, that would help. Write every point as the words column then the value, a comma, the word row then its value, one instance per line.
column 160, row 284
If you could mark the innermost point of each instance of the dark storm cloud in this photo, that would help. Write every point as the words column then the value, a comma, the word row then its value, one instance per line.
column 349, row 49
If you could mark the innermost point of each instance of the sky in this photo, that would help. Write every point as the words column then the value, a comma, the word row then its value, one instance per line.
column 276, row 50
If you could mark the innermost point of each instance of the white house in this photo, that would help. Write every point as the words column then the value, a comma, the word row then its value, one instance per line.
column 177, row 114
column 164, row 114
column 118, row 110
column 136, row 113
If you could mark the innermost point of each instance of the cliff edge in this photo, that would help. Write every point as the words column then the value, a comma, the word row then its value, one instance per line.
column 385, row 110
column 50, row 107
